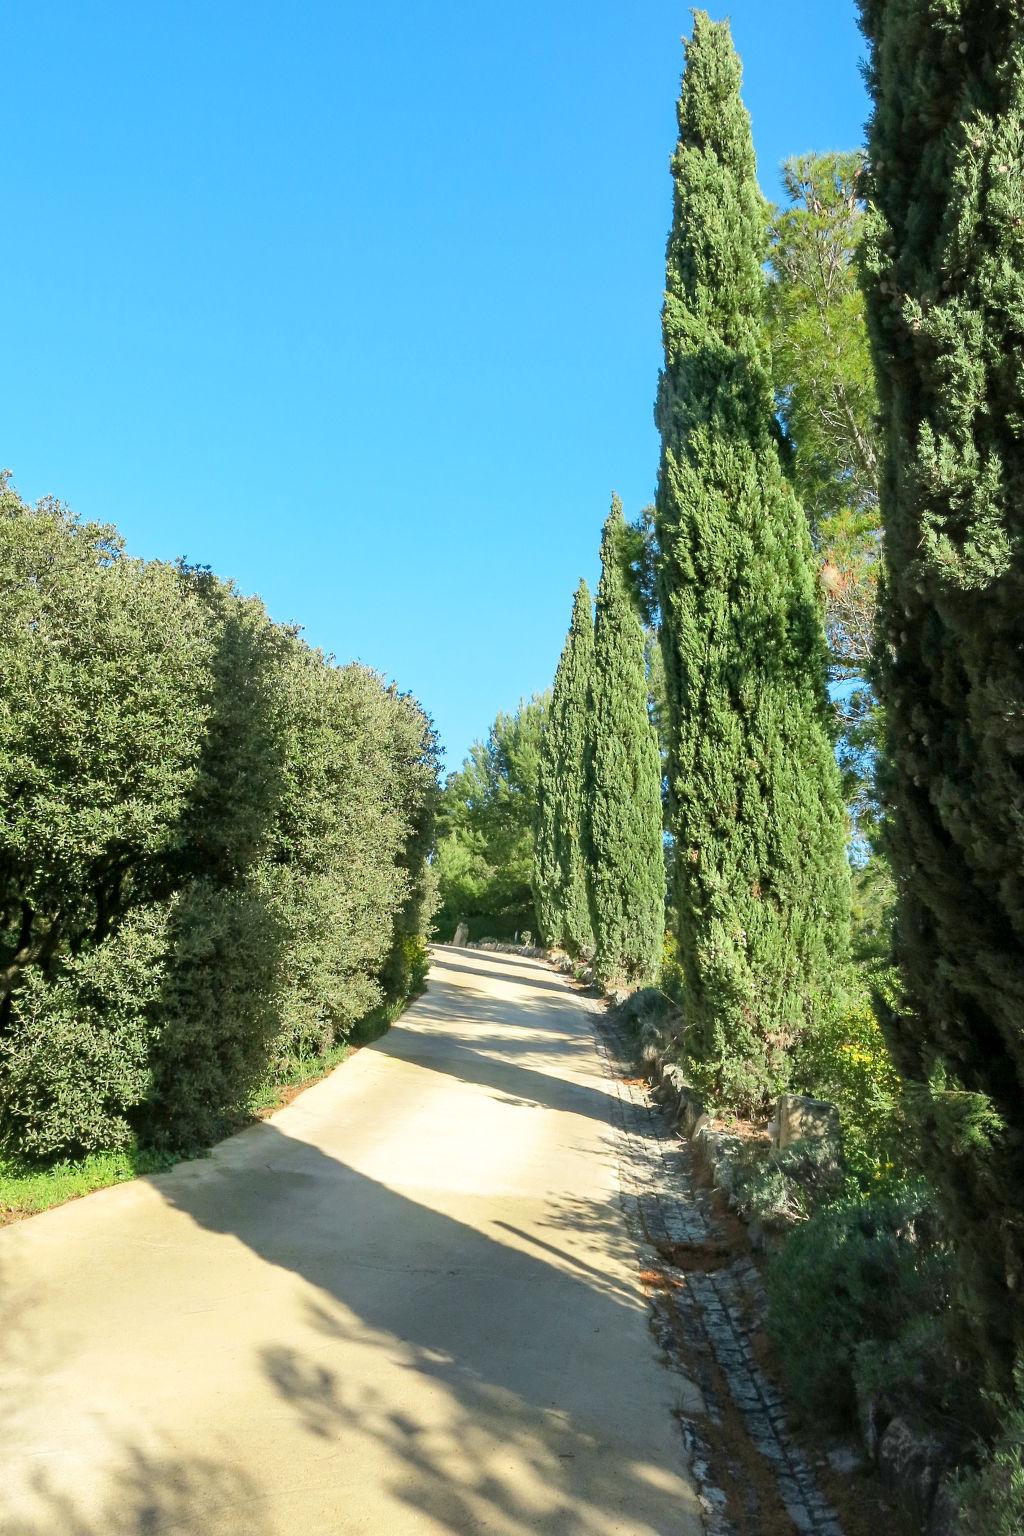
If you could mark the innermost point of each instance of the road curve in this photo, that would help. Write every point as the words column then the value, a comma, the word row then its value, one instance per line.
column 406, row 1303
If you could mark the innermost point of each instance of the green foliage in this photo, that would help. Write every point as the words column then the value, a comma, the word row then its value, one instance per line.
column 560, row 874
column 761, row 883
column 670, row 972
column 825, row 384
column 26, row 1189
column 623, row 822
column 218, row 1015
column 353, row 831
column 75, row 1057
column 214, row 851
column 944, row 281
column 850, row 1284
column 485, row 829
column 846, row 1061
column 780, row 1188
column 827, row 404
column 990, row 1499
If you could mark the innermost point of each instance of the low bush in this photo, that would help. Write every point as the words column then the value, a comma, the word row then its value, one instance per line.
column 845, row 1060
column 852, row 1286
column 990, row 1499
column 779, row 1189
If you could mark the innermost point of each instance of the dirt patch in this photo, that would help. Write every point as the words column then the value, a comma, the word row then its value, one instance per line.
column 743, row 1130
column 697, row 1258
column 660, row 1280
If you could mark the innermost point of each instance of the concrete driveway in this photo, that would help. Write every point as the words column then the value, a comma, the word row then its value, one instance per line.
column 407, row 1303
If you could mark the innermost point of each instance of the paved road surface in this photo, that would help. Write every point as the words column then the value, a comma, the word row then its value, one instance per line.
column 407, row 1303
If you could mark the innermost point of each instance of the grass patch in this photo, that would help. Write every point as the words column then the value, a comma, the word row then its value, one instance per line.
column 24, row 1190
column 301, row 1072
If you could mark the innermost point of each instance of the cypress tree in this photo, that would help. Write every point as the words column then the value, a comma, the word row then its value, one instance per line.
column 624, row 823
column 944, row 280
column 560, row 873
column 761, row 886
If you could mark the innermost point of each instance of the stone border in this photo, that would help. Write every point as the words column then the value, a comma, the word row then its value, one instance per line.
column 705, row 1315
column 495, row 947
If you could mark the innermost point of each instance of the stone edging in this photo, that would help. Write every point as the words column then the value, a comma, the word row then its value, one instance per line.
column 493, row 946
column 713, row 1150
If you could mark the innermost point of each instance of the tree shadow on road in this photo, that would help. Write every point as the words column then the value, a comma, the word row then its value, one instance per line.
column 524, row 1063
column 147, row 1494
column 530, row 1344
column 506, row 1380
column 537, row 976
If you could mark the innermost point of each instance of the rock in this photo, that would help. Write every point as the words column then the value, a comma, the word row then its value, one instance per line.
column 912, row 1461
column 869, row 1414
column 801, row 1119
column 691, row 1110
column 652, row 1047
column 674, row 1087
column 945, row 1517
column 461, row 935
column 845, row 1460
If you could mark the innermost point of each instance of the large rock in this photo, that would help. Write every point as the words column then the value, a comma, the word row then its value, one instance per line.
column 802, row 1119
column 676, row 1093
column 945, row 1517
column 652, row 1048
column 913, row 1461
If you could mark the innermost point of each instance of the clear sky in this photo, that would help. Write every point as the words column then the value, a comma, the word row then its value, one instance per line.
column 359, row 304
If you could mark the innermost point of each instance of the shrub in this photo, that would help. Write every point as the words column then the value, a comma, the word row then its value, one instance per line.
column 218, row 1014
column 213, row 850
column 854, row 1278
column 781, row 1188
column 75, row 1060
column 845, row 1060
column 990, row 1499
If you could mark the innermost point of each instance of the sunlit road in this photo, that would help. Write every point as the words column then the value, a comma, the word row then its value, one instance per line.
column 407, row 1303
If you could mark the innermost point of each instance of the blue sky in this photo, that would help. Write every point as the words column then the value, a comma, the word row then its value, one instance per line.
column 360, row 305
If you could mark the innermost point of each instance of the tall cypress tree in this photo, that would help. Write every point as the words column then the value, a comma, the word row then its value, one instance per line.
column 624, row 821
column 762, row 882
column 560, row 872
column 944, row 278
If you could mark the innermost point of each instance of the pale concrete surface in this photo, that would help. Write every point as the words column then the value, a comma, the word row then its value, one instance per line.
column 407, row 1303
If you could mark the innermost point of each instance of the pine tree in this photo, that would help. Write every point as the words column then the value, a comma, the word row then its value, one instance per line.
column 623, row 822
column 944, row 279
column 560, row 873
column 762, row 882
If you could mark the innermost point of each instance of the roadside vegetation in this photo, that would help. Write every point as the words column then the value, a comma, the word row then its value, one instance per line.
column 832, row 579
column 213, row 863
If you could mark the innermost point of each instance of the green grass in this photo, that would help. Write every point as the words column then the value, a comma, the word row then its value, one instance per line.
column 301, row 1072
column 24, row 1191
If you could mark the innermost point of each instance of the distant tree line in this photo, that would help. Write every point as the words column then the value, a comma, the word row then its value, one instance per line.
column 213, row 855
column 485, row 830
